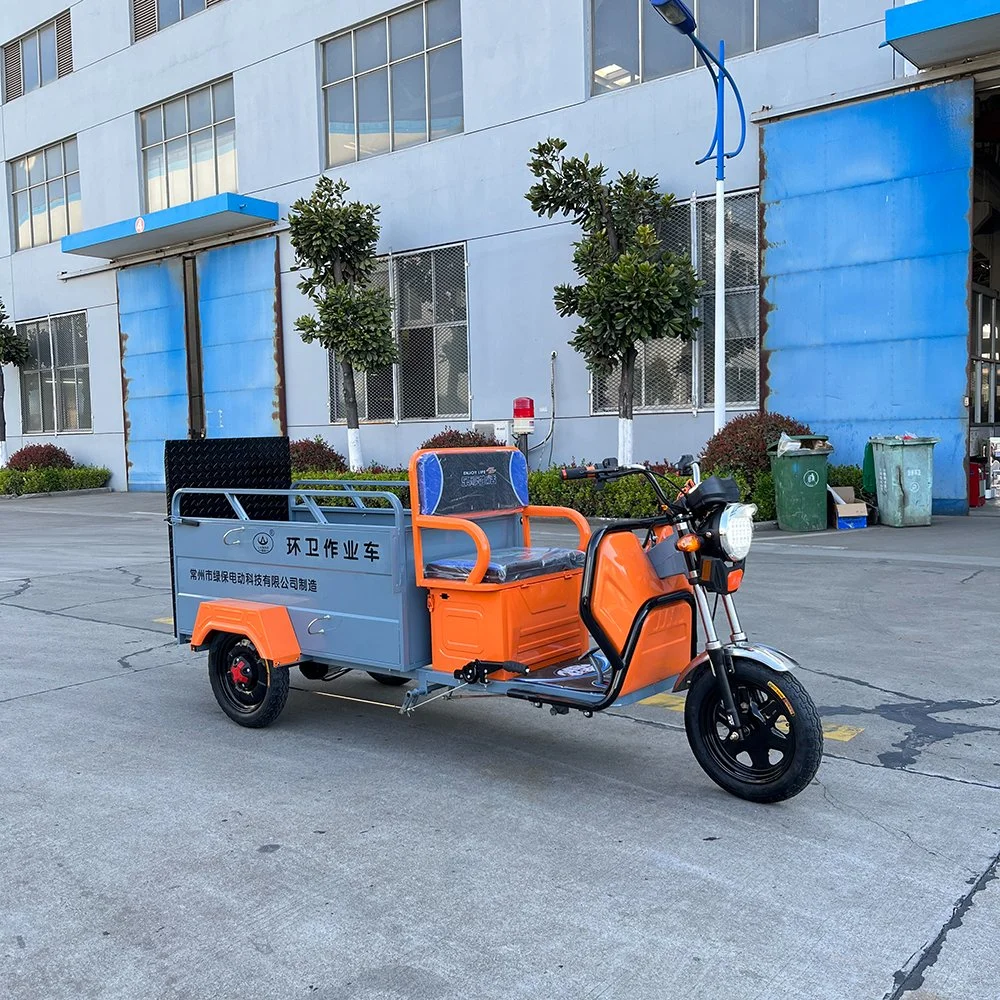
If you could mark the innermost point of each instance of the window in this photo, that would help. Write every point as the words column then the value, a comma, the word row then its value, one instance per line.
column 150, row 16
column 46, row 194
column 984, row 348
column 189, row 147
column 431, row 380
column 38, row 58
column 55, row 383
column 394, row 82
column 632, row 43
column 671, row 375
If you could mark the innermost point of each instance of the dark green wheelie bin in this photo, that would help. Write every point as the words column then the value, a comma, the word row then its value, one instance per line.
column 800, row 483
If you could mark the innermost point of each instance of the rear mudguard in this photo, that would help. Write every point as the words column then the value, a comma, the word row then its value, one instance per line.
column 774, row 659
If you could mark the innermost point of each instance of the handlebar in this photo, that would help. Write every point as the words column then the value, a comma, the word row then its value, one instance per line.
column 609, row 472
column 579, row 472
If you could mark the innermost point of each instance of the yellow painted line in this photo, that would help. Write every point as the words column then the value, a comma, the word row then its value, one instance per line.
column 675, row 703
column 344, row 697
column 842, row 734
column 163, row 621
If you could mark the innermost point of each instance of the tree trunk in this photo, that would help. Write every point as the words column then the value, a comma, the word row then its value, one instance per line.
column 355, row 459
column 625, row 396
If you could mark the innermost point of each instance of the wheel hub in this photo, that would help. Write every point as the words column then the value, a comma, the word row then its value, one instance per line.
column 240, row 672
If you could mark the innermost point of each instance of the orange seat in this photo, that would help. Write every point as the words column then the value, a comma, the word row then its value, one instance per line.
column 493, row 597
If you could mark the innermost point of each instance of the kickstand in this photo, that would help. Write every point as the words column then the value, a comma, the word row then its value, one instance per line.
column 414, row 700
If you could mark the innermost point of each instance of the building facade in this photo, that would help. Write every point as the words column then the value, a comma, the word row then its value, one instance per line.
column 152, row 149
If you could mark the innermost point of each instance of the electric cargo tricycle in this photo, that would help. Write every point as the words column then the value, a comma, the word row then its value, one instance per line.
column 453, row 595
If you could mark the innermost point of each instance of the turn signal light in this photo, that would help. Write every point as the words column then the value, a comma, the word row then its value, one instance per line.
column 689, row 543
column 735, row 579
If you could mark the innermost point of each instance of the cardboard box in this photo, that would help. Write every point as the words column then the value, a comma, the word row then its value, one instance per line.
column 846, row 513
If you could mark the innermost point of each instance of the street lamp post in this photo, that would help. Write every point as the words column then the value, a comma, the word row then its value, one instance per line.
column 679, row 17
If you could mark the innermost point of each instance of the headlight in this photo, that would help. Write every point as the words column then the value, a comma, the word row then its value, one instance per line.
column 736, row 530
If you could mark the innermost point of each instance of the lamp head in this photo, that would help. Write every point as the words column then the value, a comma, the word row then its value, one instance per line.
column 676, row 14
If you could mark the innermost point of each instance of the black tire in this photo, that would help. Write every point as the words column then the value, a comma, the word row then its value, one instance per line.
column 247, row 689
column 389, row 680
column 781, row 745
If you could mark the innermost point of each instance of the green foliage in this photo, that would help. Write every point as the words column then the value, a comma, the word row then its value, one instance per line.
column 52, row 480
column 316, row 454
column 40, row 456
column 762, row 495
column 451, row 438
column 334, row 242
column 846, row 475
column 13, row 349
column 632, row 289
column 742, row 444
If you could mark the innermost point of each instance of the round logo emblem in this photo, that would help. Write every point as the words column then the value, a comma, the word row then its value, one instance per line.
column 140, row 225
column 811, row 478
column 263, row 542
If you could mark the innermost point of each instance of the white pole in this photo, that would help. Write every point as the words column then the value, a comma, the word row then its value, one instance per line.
column 720, row 305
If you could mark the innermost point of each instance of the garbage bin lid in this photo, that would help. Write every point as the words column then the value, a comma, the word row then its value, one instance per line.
column 899, row 439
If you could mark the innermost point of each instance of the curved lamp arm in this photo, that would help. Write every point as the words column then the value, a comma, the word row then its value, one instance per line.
column 713, row 64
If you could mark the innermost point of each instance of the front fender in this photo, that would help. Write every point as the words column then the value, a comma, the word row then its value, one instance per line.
column 769, row 657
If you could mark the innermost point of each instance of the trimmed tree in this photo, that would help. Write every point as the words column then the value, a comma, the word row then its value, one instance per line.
column 13, row 351
column 334, row 241
column 632, row 289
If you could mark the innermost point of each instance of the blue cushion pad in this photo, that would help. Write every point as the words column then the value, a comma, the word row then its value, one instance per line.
column 508, row 565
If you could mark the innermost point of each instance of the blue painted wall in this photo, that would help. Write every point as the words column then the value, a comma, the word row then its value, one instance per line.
column 866, row 266
column 237, row 304
column 154, row 362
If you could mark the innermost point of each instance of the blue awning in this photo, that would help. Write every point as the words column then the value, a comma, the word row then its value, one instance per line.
column 220, row 215
column 939, row 32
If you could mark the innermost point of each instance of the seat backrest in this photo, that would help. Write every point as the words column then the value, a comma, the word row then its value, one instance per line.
column 463, row 482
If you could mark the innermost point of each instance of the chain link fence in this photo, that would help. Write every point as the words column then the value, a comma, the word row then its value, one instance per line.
column 430, row 324
column 671, row 375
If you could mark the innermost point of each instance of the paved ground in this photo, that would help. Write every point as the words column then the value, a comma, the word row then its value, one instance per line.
column 151, row 848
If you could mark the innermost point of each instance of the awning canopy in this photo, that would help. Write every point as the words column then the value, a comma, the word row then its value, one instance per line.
column 198, row 220
column 938, row 32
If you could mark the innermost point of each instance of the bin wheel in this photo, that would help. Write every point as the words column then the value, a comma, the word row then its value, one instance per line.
column 389, row 680
column 778, row 751
column 247, row 688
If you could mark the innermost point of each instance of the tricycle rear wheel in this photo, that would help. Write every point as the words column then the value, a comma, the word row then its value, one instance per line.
column 778, row 750
column 248, row 689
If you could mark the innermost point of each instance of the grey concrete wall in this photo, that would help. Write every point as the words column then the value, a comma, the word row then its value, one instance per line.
column 526, row 68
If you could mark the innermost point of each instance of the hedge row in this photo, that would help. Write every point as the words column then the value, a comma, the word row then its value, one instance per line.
column 16, row 483
column 628, row 497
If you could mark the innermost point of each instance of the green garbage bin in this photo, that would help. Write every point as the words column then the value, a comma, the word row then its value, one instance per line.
column 904, row 474
column 800, row 483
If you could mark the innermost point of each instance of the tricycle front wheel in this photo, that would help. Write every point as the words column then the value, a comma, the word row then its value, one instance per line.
column 247, row 688
column 777, row 751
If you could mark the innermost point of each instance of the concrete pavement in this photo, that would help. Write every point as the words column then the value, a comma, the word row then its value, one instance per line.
column 484, row 849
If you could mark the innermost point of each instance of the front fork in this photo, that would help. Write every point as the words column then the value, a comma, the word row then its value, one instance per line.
column 717, row 655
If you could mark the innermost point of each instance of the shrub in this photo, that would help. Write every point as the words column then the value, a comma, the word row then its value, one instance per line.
column 316, row 454
column 846, row 475
column 762, row 494
column 16, row 483
column 40, row 456
column 742, row 444
column 451, row 438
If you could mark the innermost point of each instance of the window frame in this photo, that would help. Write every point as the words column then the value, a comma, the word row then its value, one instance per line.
column 695, row 61
column 399, row 326
column 53, row 371
column 423, row 53
column 163, row 142
column 43, row 185
column 140, row 20
column 62, row 36
column 702, row 349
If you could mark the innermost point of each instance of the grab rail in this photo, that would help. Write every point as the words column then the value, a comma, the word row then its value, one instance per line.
column 299, row 498
column 347, row 487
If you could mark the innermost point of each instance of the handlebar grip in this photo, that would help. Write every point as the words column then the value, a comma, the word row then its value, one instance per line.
column 577, row 472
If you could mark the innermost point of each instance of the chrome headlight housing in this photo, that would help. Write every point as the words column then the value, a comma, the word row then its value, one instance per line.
column 735, row 530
